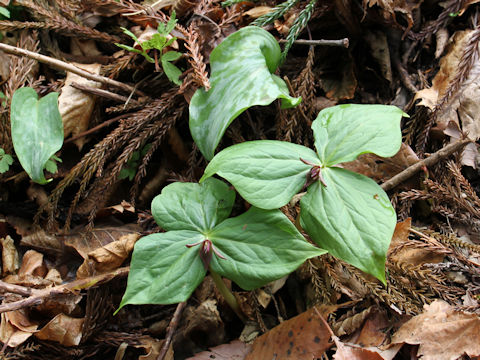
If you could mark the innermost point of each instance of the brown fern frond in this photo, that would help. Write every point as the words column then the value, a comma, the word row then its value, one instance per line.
column 162, row 128
column 113, row 70
column 468, row 59
column 451, row 7
column 55, row 21
column 195, row 58
column 93, row 162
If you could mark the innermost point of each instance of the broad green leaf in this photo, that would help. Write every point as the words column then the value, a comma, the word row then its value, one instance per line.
column 242, row 69
column 345, row 131
column 260, row 246
column 37, row 130
column 192, row 206
column 266, row 173
column 163, row 270
column 352, row 218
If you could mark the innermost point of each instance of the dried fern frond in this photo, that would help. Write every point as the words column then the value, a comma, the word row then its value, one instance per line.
column 195, row 59
column 451, row 7
column 94, row 161
column 54, row 20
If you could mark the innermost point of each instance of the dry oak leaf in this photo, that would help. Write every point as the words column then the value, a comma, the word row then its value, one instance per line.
column 441, row 332
column 303, row 337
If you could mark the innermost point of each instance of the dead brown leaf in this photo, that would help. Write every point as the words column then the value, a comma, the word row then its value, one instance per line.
column 381, row 169
column 63, row 329
column 16, row 327
column 441, row 332
column 86, row 242
column 390, row 7
column 303, row 337
column 235, row 350
column 32, row 264
column 76, row 106
column 108, row 257
column 258, row 11
column 10, row 261
column 400, row 252
column 351, row 352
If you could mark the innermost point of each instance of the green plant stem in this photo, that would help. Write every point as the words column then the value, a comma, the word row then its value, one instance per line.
column 227, row 295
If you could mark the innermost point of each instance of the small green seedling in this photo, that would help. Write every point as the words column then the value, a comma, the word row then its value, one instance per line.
column 159, row 41
column 344, row 212
column 130, row 169
column 37, row 131
column 5, row 161
column 252, row 249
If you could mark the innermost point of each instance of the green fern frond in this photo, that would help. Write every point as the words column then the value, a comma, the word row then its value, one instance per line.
column 276, row 13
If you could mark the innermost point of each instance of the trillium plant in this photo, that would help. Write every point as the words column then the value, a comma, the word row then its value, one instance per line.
column 344, row 213
column 251, row 249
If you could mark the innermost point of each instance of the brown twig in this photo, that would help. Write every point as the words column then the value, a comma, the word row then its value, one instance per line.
column 37, row 297
column 96, row 128
column 15, row 289
column 58, row 64
column 342, row 42
column 171, row 329
column 433, row 159
column 104, row 93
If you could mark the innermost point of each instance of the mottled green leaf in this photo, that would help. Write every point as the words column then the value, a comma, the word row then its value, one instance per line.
column 192, row 206
column 163, row 270
column 345, row 131
column 266, row 173
column 242, row 76
column 37, row 130
column 260, row 246
column 351, row 217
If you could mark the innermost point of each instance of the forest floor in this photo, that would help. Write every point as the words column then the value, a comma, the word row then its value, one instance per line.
column 67, row 244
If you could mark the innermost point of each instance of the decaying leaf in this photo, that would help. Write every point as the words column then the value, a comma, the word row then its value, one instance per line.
column 400, row 252
column 303, row 337
column 235, row 350
column 441, row 332
column 32, row 264
column 258, row 11
column 462, row 109
column 390, row 7
column 76, row 106
column 108, row 257
column 10, row 262
column 16, row 327
column 377, row 41
column 381, row 169
column 63, row 329
column 86, row 242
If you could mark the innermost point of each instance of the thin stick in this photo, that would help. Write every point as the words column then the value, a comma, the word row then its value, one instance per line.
column 171, row 329
column 103, row 93
column 58, row 64
column 96, row 128
column 15, row 289
column 342, row 42
column 39, row 296
column 431, row 160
